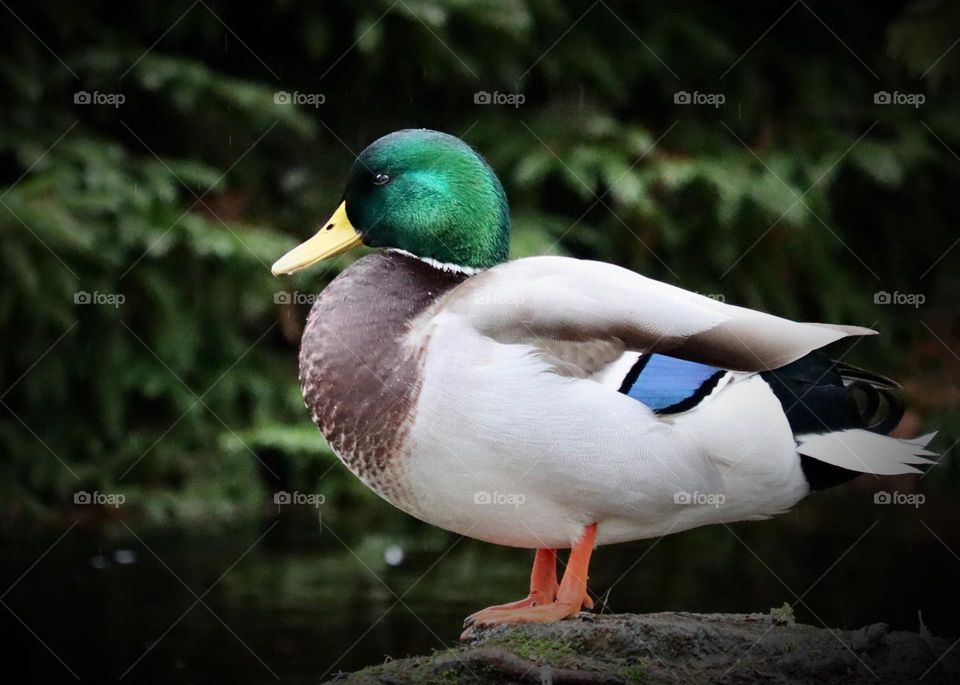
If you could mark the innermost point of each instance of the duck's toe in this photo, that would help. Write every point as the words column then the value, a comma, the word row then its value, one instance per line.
column 542, row 613
column 531, row 600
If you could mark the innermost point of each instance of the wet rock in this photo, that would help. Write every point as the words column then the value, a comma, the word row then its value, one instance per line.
column 678, row 647
column 869, row 637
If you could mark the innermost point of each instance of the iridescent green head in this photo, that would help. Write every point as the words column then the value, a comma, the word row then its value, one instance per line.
column 422, row 191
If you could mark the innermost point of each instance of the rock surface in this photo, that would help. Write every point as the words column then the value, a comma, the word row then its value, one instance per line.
column 679, row 648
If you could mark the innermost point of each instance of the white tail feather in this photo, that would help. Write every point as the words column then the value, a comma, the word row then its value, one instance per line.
column 867, row 452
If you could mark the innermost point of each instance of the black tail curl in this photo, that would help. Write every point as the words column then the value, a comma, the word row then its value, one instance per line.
column 820, row 395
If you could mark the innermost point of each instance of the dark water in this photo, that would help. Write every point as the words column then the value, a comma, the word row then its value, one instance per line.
column 297, row 601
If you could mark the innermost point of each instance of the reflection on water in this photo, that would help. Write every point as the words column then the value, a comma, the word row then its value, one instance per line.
column 288, row 598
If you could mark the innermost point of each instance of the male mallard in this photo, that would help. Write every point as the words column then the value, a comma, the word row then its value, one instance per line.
column 551, row 402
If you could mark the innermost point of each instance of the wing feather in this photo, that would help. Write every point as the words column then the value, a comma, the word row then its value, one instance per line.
column 540, row 300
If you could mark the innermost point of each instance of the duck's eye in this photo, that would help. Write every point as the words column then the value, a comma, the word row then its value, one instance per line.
column 380, row 179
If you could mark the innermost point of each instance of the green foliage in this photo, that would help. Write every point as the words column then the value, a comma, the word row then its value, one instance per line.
column 799, row 195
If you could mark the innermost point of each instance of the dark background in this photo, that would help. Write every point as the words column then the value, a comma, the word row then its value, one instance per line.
column 148, row 353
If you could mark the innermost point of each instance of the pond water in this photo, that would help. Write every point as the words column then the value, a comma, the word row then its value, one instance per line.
column 298, row 600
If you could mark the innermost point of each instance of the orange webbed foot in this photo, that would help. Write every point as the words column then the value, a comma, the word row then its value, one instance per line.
column 546, row 602
column 531, row 600
column 543, row 590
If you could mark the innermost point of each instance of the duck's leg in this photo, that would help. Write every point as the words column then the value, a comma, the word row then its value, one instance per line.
column 543, row 586
column 567, row 601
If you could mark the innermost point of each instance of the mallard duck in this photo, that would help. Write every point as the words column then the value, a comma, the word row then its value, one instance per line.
column 553, row 403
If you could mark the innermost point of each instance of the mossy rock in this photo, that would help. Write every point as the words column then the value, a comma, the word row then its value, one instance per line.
column 677, row 647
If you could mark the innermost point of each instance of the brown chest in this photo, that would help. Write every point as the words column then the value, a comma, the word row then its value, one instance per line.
column 360, row 379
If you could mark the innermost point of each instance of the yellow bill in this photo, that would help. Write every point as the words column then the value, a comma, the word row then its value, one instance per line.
column 335, row 237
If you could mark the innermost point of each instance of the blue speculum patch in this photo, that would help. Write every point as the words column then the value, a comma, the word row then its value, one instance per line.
column 669, row 385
